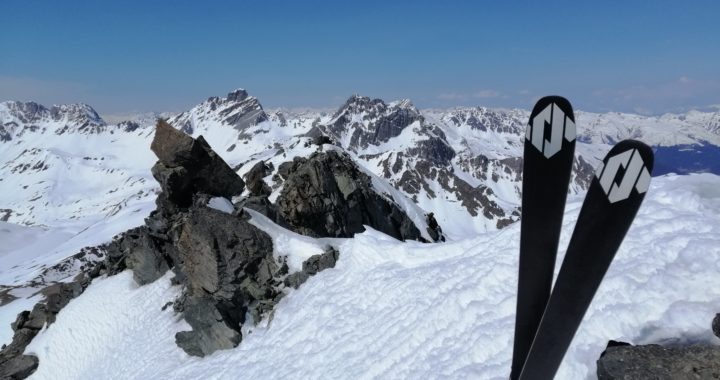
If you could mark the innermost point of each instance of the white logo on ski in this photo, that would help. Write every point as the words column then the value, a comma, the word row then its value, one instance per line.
column 560, row 126
column 636, row 175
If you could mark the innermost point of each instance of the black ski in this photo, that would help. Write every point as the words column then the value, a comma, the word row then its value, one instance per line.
column 547, row 164
column 613, row 199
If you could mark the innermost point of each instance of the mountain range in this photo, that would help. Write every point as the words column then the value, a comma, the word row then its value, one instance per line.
column 70, row 182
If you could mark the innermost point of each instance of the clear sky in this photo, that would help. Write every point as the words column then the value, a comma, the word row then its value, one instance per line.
column 123, row 56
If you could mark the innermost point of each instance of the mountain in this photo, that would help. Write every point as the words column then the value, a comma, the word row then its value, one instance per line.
column 459, row 163
column 70, row 181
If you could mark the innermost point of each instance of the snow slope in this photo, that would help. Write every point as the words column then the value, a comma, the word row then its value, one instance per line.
column 409, row 310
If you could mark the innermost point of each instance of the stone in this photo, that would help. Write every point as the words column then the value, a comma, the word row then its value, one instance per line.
column 296, row 279
column 254, row 179
column 318, row 263
column 657, row 362
column 142, row 254
column 210, row 332
column 433, row 228
column 326, row 195
column 20, row 320
column 187, row 166
column 716, row 325
column 228, row 267
column 13, row 364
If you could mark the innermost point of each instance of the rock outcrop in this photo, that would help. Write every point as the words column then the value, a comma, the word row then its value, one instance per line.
column 187, row 166
column 254, row 179
column 326, row 195
column 622, row 360
column 225, row 264
column 13, row 363
column 657, row 362
column 433, row 228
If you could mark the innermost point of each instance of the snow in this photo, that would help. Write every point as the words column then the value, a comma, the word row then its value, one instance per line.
column 221, row 204
column 392, row 309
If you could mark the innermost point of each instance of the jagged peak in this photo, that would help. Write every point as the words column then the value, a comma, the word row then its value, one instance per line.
column 357, row 104
column 238, row 109
column 239, row 94
column 75, row 113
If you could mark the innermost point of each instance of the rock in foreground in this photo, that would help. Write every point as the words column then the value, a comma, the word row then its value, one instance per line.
column 658, row 362
column 187, row 166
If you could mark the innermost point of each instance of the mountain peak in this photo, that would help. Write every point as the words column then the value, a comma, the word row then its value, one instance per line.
column 16, row 116
column 238, row 109
column 239, row 94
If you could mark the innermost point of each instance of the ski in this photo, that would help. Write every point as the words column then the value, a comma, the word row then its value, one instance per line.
column 614, row 197
column 547, row 164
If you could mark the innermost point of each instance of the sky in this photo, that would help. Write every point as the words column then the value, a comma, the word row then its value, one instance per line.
column 647, row 57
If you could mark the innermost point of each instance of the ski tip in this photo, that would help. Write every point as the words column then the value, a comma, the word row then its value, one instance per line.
column 559, row 101
column 551, row 128
column 626, row 170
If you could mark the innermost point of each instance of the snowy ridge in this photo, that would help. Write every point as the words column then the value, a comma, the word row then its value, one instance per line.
column 410, row 310
column 463, row 164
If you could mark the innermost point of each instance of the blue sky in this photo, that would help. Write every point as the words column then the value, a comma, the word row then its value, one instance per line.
column 631, row 56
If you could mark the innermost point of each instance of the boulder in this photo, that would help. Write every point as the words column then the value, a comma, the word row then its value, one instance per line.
column 433, row 228
column 210, row 331
column 624, row 361
column 254, row 179
column 326, row 195
column 13, row 364
column 229, row 270
column 312, row 266
column 141, row 253
column 716, row 325
column 187, row 166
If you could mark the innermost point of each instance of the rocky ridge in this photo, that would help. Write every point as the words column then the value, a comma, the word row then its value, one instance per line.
column 225, row 265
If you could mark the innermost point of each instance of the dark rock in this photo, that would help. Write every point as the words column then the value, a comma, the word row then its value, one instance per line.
column 254, row 179
column 658, row 362
column 296, row 279
column 313, row 265
column 141, row 254
column 13, row 364
column 210, row 331
column 57, row 296
column 327, row 195
column 433, row 228
column 262, row 205
column 129, row 126
column 5, row 214
column 18, row 367
column 317, row 263
column 228, row 266
column 322, row 139
column 716, row 325
column 20, row 320
column 187, row 166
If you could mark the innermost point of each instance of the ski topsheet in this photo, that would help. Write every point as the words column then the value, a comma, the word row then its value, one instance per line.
column 613, row 199
column 547, row 164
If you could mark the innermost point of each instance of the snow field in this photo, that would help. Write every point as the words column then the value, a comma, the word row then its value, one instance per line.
column 410, row 310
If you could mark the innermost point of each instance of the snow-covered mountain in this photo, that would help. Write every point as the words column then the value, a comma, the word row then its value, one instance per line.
column 459, row 163
column 69, row 180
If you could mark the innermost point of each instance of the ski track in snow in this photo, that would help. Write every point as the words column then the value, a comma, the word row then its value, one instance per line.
column 396, row 310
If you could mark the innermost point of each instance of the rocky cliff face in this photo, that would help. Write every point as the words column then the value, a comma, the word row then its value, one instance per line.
column 326, row 195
